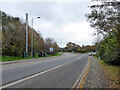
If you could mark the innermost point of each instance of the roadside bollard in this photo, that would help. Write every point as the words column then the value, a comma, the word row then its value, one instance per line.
column 23, row 54
column 33, row 54
column 40, row 54
column 44, row 54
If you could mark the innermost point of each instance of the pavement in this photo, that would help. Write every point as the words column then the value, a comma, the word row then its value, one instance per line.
column 18, row 61
column 96, row 77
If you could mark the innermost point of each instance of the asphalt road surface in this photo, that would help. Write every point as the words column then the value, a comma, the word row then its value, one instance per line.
column 58, row 72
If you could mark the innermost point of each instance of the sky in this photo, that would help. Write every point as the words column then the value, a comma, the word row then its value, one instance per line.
column 62, row 20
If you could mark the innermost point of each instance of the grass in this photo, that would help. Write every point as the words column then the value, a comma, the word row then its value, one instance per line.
column 112, row 71
column 14, row 58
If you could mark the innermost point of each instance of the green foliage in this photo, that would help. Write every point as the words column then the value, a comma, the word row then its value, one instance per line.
column 108, row 50
column 76, row 48
column 72, row 47
column 14, row 34
column 105, row 19
column 101, row 51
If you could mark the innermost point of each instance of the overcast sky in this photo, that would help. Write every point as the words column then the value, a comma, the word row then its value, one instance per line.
column 63, row 21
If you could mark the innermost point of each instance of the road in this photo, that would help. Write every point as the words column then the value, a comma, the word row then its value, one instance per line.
column 54, row 72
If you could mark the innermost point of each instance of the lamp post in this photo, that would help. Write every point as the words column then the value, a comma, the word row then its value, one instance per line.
column 26, row 34
column 32, row 37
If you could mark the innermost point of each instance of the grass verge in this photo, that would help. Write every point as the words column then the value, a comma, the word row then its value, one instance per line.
column 14, row 58
column 112, row 72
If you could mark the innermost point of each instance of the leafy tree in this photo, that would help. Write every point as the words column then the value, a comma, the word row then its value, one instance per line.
column 71, row 46
column 55, row 46
column 105, row 19
column 13, row 36
column 90, row 48
column 49, row 42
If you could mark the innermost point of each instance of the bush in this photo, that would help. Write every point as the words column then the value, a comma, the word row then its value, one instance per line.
column 112, row 58
column 109, row 52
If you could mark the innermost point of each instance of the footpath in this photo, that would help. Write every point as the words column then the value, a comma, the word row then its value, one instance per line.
column 96, row 77
column 17, row 61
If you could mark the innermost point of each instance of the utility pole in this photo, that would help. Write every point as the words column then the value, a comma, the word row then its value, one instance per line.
column 26, row 34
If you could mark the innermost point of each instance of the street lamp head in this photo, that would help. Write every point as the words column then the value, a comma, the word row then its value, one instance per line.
column 38, row 17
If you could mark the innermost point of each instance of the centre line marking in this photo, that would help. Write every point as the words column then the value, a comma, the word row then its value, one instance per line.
column 29, row 77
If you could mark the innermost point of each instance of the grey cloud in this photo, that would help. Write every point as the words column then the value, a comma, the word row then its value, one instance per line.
column 58, row 14
column 54, row 12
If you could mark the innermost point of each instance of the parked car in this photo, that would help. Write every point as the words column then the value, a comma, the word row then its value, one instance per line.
column 90, row 54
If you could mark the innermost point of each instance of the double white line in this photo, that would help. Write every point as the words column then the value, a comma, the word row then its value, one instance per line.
column 21, row 80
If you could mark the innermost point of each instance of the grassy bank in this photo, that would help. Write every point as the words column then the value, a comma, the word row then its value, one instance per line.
column 14, row 58
column 112, row 72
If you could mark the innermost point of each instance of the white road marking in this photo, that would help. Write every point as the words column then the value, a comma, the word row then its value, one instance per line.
column 29, row 77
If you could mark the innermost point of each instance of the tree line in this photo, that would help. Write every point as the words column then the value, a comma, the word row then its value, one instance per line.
column 105, row 18
column 72, row 47
column 14, row 34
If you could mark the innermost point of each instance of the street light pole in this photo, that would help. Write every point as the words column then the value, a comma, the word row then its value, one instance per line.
column 32, row 41
column 26, row 34
column 32, row 37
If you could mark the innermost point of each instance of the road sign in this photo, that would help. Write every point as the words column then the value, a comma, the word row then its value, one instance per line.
column 51, row 49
